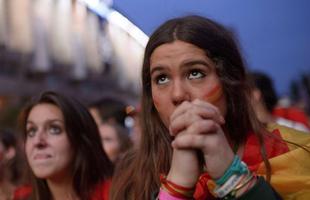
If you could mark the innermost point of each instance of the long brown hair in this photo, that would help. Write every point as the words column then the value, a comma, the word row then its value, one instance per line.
column 138, row 176
column 91, row 165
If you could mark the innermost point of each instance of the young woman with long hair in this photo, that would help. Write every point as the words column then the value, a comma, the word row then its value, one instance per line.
column 200, row 136
column 63, row 150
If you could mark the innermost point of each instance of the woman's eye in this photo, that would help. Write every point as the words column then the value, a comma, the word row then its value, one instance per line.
column 30, row 132
column 196, row 74
column 161, row 79
column 53, row 129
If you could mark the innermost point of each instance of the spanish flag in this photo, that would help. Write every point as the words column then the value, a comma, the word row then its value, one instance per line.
column 290, row 163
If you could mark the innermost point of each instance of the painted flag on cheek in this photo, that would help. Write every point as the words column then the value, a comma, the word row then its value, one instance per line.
column 215, row 94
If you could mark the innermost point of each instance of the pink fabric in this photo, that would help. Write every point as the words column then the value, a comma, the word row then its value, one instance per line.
column 163, row 195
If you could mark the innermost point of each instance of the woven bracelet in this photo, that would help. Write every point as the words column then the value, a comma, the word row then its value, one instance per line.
column 236, row 167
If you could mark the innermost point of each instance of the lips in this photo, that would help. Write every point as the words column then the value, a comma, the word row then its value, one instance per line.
column 41, row 156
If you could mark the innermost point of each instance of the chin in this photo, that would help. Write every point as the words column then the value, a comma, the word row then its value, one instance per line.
column 42, row 173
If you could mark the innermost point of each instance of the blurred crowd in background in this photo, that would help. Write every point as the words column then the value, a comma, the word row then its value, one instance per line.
column 64, row 45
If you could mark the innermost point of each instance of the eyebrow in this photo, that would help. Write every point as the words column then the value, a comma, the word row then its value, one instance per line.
column 186, row 63
column 49, row 121
column 157, row 68
column 194, row 62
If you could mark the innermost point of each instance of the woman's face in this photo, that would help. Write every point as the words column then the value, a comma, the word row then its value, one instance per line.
column 47, row 146
column 181, row 72
column 110, row 141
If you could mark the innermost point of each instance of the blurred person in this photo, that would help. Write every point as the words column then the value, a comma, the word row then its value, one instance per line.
column 294, row 107
column 265, row 100
column 200, row 136
column 10, row 172
column 110, row 115
column 108, row 110
column 135, row 131
column 63, row 150
column 12, row 165
column 115, row 140
column 294, row 114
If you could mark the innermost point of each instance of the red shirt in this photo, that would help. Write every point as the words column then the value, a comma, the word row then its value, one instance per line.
column 22, row 192
column 101, row 192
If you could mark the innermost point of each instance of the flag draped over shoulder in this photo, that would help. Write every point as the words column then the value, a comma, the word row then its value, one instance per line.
column 290, row 163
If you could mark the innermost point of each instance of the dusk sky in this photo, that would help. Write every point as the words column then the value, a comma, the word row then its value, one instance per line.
column 274, row 35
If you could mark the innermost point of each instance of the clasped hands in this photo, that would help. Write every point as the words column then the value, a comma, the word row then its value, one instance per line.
column 197, row 126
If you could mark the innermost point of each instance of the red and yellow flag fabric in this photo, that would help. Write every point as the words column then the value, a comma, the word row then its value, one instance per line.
column 290, row 163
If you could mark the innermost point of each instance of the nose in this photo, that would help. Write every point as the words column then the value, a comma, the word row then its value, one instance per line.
column 40, row 139
column 179, row 92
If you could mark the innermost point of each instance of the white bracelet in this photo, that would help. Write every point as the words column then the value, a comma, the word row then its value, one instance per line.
column 228, row 186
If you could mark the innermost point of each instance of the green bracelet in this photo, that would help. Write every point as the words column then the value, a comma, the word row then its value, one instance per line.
column 236, row 167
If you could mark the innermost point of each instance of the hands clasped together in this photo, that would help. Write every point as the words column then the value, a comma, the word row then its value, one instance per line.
column 196, row 126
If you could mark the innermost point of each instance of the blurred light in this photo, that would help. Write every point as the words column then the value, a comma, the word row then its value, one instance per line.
column 129, row 122
column 130, row 109
column 102, row 9
column 119, row 20
column 99, row 7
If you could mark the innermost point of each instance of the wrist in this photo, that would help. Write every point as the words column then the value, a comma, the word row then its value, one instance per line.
column 182, row 181
column 236, row 167
column 185, row 169
column 176, row 190
column 236, row 181
column 218, row 169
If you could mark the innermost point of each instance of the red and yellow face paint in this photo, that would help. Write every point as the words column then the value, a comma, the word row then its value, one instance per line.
column 214, row 94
